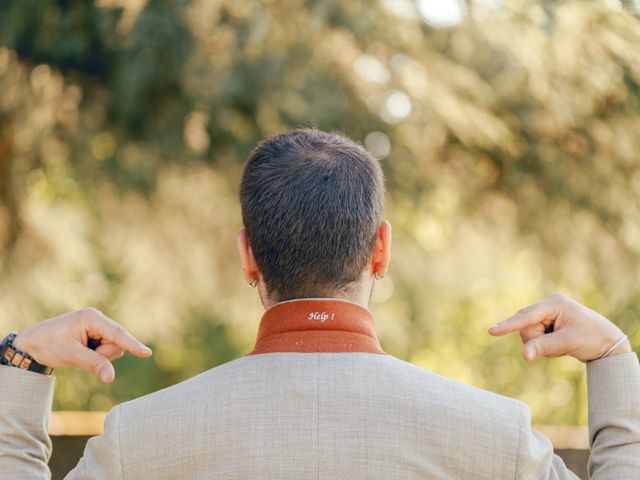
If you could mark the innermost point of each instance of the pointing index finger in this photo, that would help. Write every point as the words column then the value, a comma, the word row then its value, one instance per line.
column 106, row 328
column 532, row 315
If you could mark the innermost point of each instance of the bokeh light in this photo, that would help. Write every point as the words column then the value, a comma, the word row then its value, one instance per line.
column 442, row 13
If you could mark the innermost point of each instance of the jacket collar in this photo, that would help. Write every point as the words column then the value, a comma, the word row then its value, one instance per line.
column 317, row 325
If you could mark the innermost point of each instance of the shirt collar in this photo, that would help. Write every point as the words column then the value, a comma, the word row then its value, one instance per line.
column 317, row 325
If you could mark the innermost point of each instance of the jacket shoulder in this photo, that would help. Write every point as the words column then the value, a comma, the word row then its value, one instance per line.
column 458, row 396
column 185, row 392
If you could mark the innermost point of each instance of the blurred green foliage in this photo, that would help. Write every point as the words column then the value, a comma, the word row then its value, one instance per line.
column 509, row 140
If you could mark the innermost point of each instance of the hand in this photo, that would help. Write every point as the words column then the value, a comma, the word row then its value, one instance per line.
column 558, row 325
column 62, row 342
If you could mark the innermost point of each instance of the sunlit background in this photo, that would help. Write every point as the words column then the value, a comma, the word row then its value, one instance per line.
column 509, row 132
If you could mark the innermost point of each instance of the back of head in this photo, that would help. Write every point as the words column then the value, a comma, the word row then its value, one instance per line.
column 311, row 205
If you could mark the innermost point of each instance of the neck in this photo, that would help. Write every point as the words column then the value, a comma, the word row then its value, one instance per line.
column 359, row 295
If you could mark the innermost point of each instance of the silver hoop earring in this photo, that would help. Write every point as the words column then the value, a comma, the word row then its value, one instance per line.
column 254, row 284
column 378, row 276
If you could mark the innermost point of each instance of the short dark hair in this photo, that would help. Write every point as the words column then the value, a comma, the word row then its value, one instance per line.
column 311, row 205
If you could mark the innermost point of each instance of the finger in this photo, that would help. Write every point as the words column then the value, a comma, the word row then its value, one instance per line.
column 92, row 361
column 549, row 345
column 532, row 331
column 110, row 351
column 541, row 312
column 106, row 328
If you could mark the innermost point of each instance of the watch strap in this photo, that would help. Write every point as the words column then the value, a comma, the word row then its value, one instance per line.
column 11, row 356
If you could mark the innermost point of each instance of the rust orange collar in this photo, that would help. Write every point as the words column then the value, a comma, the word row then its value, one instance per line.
column 317, row 325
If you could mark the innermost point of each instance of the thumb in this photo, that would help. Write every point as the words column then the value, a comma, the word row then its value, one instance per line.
column 88, row 359
column 548, row 345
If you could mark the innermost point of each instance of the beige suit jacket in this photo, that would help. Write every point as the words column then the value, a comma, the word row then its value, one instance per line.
column 324, row 415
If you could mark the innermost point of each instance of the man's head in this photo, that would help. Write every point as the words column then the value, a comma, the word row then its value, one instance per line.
column 312, row 211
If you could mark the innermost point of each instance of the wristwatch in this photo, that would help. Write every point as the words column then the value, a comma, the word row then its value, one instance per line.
column 10, row 355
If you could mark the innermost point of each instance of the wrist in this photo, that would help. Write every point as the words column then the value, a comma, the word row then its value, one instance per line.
column 21, row 342
column 623, row 348
column 24, row 343
column 12, row 355
column 615, row 345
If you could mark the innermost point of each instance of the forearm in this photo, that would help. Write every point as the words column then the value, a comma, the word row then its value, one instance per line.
column 614, row 417
column 25, row 409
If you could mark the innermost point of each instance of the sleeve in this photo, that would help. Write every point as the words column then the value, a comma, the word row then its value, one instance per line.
column 25, row 410
column 25, row 446
column 614, row 417
column 614, row 427
column 101, row 459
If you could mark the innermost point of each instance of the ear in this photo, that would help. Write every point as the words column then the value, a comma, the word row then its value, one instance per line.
column 382, row 250
column 248, row 261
